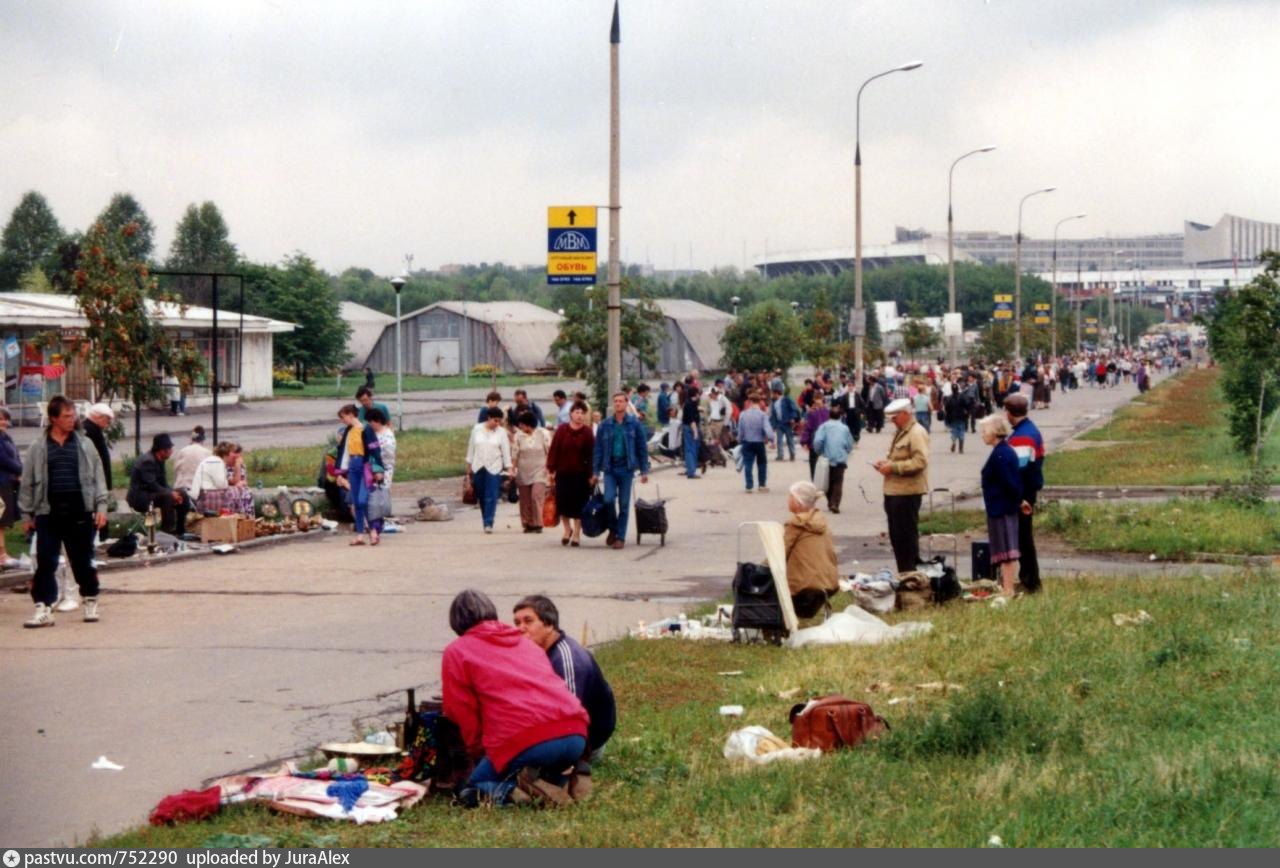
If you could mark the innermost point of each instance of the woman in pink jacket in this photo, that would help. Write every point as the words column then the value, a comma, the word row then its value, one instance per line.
column 516, row 716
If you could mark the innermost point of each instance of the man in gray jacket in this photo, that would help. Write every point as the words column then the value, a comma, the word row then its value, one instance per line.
column 63, row 497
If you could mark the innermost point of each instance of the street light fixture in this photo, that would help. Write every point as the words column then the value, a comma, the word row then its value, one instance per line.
column 735, row 301
column 951, row 249
column 397, row 283
column 859, row 319
column 1017, row 276
column 795, row 308
column 1053, row 297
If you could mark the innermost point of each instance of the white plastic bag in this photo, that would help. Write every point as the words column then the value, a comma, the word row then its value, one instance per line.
column 821, row 473
column 757, row 745
column 856, row 627
column 737, row 457
column 874, row 596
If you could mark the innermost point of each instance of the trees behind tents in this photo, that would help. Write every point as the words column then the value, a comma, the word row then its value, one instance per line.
column 582, row 346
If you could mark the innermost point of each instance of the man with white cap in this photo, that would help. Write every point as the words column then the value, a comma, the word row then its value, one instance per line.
column 906, row 481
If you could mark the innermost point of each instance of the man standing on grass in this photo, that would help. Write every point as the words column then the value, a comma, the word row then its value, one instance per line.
column 621, row 449
column 1028, row 445
column 906, row 481
column 63, row 498
column 539, row 620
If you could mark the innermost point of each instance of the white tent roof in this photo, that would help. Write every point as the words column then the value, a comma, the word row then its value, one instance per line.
column 367, row 325
column 525, row 330
column 55, row 310
column 702, row 326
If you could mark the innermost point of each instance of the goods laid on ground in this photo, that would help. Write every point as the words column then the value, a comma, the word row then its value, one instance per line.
column 227, row 529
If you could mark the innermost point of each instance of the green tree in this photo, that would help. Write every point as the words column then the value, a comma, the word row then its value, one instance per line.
column 30, row 240
column 123, row 210
column 1244, row 337
column 297, row 291
column 124, row 346
column 917, row 335
column 201, row 244
column 34, row 280
column 583, row 343
column 766, row 336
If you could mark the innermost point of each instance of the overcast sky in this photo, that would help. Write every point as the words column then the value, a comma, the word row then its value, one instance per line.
column 444, row 128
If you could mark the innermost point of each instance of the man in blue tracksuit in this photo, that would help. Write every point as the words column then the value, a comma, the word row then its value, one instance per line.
column 621, row 449
column 1028, row 445
column 782, row 416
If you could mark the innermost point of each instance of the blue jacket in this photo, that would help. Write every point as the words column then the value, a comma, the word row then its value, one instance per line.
column 784, row 411
column 1029, row 447
column 10, row 461
column 584, row 679
column 637, row 443
column 834, row 440
column 1001, row 481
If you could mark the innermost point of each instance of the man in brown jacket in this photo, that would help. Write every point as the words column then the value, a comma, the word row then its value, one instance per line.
column 906, row 481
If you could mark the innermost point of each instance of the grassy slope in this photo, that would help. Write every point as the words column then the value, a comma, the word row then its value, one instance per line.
column 1160, row 735
column 1174, row 435
column 332, row 388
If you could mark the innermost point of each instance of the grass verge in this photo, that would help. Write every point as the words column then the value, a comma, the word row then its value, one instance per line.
column 1069, row 731
column 335, row 388
column 419, row 455
column 1173, row 435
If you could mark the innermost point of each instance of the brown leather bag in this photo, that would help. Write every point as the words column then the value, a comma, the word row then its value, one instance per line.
column 834, row 722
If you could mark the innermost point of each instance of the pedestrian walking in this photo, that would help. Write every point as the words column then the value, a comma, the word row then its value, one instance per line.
column 877, row 400
column 569, row 471
column 813, row 420
column 834, row 442
column 754, row 434
column 529, row 452
column 62, row 496
column 955, row 414
column 618, row 453
column 1002, row 498
column 783, row 415
column 906, row 481
column 691, row 432
column 924, row 406
column 10, row 476
column 1029, row 446
column 488, row 460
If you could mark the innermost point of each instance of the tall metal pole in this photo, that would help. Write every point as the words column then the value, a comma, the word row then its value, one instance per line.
column 213, row 352
column 615, row 208
column 1017, row 276
column 951, row 250
column 1053, row 352
column 1079, row 298
column 859, row 314
column 397, row 283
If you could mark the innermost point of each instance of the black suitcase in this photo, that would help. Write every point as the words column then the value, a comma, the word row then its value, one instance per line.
column 980, row 554
column 651, row 517
column 755, row 599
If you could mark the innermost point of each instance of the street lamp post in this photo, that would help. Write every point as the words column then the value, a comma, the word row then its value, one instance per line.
column 735, row 301
column 1053, row 291
column 1017, row 276
column 795, row 308
column 859, row 319
column 397, row 283
column 951, row 248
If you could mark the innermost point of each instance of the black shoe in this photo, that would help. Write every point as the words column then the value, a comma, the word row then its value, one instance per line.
column 467, row 797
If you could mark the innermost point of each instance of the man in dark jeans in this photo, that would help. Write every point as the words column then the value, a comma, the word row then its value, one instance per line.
column 148, row 487
column 63, row 498
column 1028, row 445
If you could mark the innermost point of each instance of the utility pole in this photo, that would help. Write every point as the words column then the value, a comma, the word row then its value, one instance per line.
column 614, row 377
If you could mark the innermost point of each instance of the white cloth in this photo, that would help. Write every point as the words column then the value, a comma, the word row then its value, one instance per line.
column 853, row 626
column 387, row 444
column 186, row 462
column 718, row 408
column 210, row 475
column 487, row 449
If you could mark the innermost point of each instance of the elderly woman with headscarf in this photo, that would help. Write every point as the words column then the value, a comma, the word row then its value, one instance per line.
column 516, row 716
column 811, row 554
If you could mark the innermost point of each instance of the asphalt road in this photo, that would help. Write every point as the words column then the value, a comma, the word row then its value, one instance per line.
column 224, row 663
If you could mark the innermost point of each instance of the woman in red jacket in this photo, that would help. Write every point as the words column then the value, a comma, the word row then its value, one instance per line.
column 516, row 716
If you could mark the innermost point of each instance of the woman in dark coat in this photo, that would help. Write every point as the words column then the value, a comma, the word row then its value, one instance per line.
column 10, row 473
column 569, row 470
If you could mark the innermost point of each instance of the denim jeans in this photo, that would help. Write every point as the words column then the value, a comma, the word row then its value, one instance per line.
column 488, row 486
column 551, row 758
column 925, row 418
column 957, row 430
column 784, row 432
column 690, row 441
column 359, row 492
column 617, row 487
column 753, row 453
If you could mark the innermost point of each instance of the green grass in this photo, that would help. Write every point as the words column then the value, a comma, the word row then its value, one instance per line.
column 1070, row 731
column 1171, row 530
column 1173, row 435
column 331, row 387
column 952, row 522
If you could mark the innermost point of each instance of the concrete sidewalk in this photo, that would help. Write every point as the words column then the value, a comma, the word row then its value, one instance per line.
column 201, row 669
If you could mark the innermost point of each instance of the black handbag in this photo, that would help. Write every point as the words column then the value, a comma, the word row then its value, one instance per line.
column 755, row 599
column 597, row 516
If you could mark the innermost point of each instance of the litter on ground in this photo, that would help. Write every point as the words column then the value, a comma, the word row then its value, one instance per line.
column 759, row 746
column 105, row 764
column 856, row 627
column 1132, row 619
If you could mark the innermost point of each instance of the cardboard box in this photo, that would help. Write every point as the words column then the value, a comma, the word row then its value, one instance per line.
column 227, row 529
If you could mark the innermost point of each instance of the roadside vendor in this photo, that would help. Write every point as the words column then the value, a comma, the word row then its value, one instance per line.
column 538, row 618
column 812, row 576
column 518, row 720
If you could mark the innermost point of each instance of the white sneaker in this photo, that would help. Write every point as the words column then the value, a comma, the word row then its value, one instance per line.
column 91, row 609
column 42, row 618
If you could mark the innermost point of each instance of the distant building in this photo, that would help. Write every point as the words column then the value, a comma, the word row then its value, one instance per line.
column 35, row 373
column 439, row 339
column 367, row 326
column 1231, row 239
column 692, row 339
